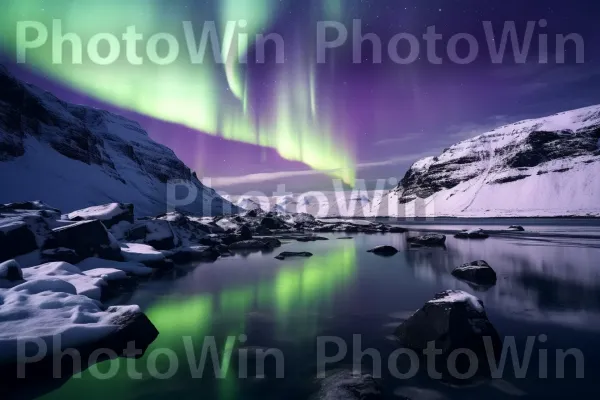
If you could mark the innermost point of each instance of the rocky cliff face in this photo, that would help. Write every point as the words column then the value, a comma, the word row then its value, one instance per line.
column 539, row 167
column 75, row 156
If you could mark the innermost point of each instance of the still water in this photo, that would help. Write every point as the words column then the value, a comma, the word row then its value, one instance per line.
column 548, row 285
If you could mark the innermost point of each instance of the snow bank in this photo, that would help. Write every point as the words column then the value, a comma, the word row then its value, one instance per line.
column 84, row 285
column 131, row 268
column 45, row 308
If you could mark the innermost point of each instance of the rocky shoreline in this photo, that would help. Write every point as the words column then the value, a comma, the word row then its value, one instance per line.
column 68, row 264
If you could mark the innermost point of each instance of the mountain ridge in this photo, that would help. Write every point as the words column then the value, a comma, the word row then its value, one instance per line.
column 73, row 156
column 535, row 167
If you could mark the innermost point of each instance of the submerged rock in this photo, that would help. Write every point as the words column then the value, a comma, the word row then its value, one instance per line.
column 478, row 272
column 288, row 254
column 397, row 229
column 384, row 250
column 452, row 320
column 310, row 238
column 345, row 385
column 472, row 234
column 432, row 239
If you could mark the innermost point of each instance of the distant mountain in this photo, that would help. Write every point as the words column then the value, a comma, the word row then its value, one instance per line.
column 72, row 156
column 539, row 167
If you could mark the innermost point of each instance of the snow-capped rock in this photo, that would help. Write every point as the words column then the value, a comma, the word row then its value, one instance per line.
column 539, row 167
column 73, row 157
column 109, row 214
column 452, row 320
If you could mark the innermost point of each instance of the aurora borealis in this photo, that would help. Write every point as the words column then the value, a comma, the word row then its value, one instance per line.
column 210, row 97
column 289, row 115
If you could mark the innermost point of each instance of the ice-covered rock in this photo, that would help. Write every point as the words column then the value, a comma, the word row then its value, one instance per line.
column 143, row 253
column 109, row 214
column 128, row 267
column 516, row 228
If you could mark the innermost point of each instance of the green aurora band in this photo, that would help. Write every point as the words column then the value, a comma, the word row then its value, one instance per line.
column 296, row 117
column 299, row 292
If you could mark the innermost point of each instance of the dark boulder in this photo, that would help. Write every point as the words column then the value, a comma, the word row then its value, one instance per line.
column 244, row 232
column 209, row 241
column 272, row 222
column 431, row 239
column 11, row 271
column 262, row 230
column 231, row 239
column 478, row 272
column 452, row 320
column 517, row 228
column 472, row 234
column 384, row 250
column 136, row 232
column 184, row 255
column 16, row 238
column 61, row 254
column 87, row 239
column 396, row 229
column 288, row 254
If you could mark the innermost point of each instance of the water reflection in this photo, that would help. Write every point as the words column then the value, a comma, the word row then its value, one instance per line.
column 551, row 280
column 293, row 295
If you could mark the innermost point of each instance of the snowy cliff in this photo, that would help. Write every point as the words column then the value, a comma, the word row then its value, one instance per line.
column 73, row 156
column 540, row 167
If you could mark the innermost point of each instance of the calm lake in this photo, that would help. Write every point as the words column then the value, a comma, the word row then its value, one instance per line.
column 548, row 284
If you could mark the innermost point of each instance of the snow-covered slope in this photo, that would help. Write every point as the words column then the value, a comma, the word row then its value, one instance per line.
column 539, row 167
column 74, row 156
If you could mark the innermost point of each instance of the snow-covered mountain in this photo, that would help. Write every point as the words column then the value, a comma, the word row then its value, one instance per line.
column 539, row 167
column 73, row 156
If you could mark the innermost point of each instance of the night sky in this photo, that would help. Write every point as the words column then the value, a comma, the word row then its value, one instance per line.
column 256, row 125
